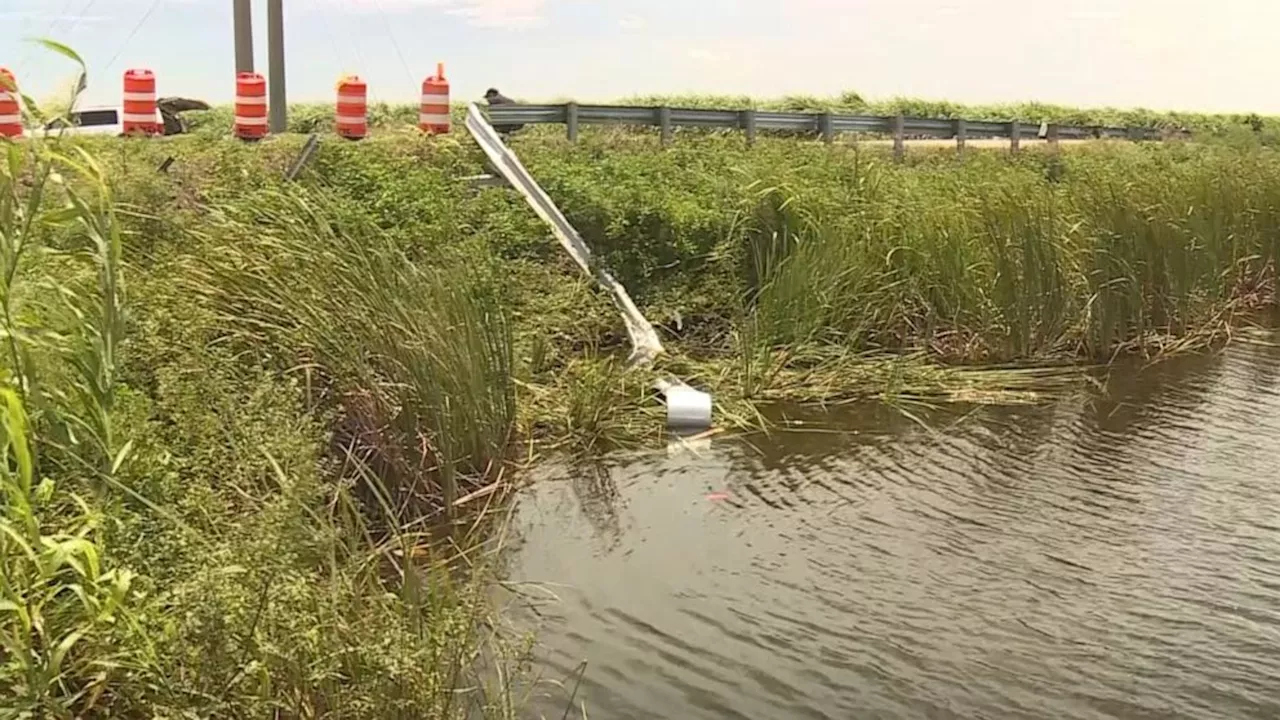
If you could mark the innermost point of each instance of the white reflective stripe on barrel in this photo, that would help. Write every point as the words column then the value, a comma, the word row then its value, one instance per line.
column 139, row 97
column 10, row 119
column 426, row 119
column 256, row 100
column 6, row 96
column 240, row 120
column 352, row 99
column 139, row 118
column 435, row 99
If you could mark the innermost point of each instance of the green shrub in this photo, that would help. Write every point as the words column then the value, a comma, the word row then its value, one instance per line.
column 180, row 536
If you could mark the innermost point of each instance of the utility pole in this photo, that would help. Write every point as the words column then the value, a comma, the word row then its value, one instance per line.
column 243, row 12
column 279, row 111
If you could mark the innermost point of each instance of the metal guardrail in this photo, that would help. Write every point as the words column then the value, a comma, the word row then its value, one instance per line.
column 824, row 124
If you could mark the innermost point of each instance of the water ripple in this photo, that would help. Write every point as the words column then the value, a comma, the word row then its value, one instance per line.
column 1113, row 556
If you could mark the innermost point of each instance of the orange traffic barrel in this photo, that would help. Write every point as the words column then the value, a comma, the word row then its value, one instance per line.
column 433, row 117
column 10, row 110
column 251, row 106
column 352, row 116
column 139, row 116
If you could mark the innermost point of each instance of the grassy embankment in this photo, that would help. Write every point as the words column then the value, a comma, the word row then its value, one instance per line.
column 235, row 408
column 231, row 425
column 788, row 271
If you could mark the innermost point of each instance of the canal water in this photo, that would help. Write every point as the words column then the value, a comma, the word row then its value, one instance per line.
column 1114, row 555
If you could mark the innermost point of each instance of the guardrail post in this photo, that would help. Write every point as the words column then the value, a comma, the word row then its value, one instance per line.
column 828, row 125
column 664, row 122
column 748, row 121
column 1053, row 136
column 899, row 137
column 300, row 162
column 571, row 120
column 1015, row 136
column 962, row 134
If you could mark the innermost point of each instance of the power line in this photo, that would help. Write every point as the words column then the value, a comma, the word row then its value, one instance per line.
column 351, row 39
column 141, row 21
column 57, row 18
column 328, row 33
column 391, row 33
column 48, row 32
column 83, row 13
column 355, row 46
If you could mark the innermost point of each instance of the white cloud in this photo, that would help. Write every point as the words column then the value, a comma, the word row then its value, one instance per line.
column 37, row 15
column 706, row 56
column 632, row 23
column 509, row 14
column 504, row 14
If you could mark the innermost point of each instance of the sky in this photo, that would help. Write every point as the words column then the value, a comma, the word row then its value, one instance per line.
column 1161, row 54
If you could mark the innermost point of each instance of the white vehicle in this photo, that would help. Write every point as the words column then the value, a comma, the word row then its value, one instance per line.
column 89, row 121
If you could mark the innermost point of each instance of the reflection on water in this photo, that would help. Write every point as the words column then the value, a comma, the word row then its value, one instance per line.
column 1116, row 555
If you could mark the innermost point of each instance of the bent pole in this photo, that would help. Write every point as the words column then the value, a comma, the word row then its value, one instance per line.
column 687, row 409
column 644, row 339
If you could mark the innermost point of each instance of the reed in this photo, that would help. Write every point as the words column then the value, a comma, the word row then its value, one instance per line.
column 980, row 260
column 418, row 358
column 766, row 262
column 176, row 537
column 257, row 438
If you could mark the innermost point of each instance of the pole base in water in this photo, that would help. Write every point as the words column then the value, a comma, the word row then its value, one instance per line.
column 688, row 408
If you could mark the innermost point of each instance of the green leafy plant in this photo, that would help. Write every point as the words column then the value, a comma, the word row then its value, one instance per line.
column 64, row 611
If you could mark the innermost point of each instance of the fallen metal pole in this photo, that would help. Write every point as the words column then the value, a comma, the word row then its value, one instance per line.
column 686, row 407
column 644, row 339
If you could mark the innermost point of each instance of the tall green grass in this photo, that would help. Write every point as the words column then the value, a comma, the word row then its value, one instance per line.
column 1026, row 269
column 181, row 533
column 761, row 265
column 985, row 258
column 418, row 356
column 66, row 607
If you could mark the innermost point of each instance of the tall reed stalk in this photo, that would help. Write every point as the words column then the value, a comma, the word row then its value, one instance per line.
column 66, row 608
column 979, row 261
column 419, row 356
